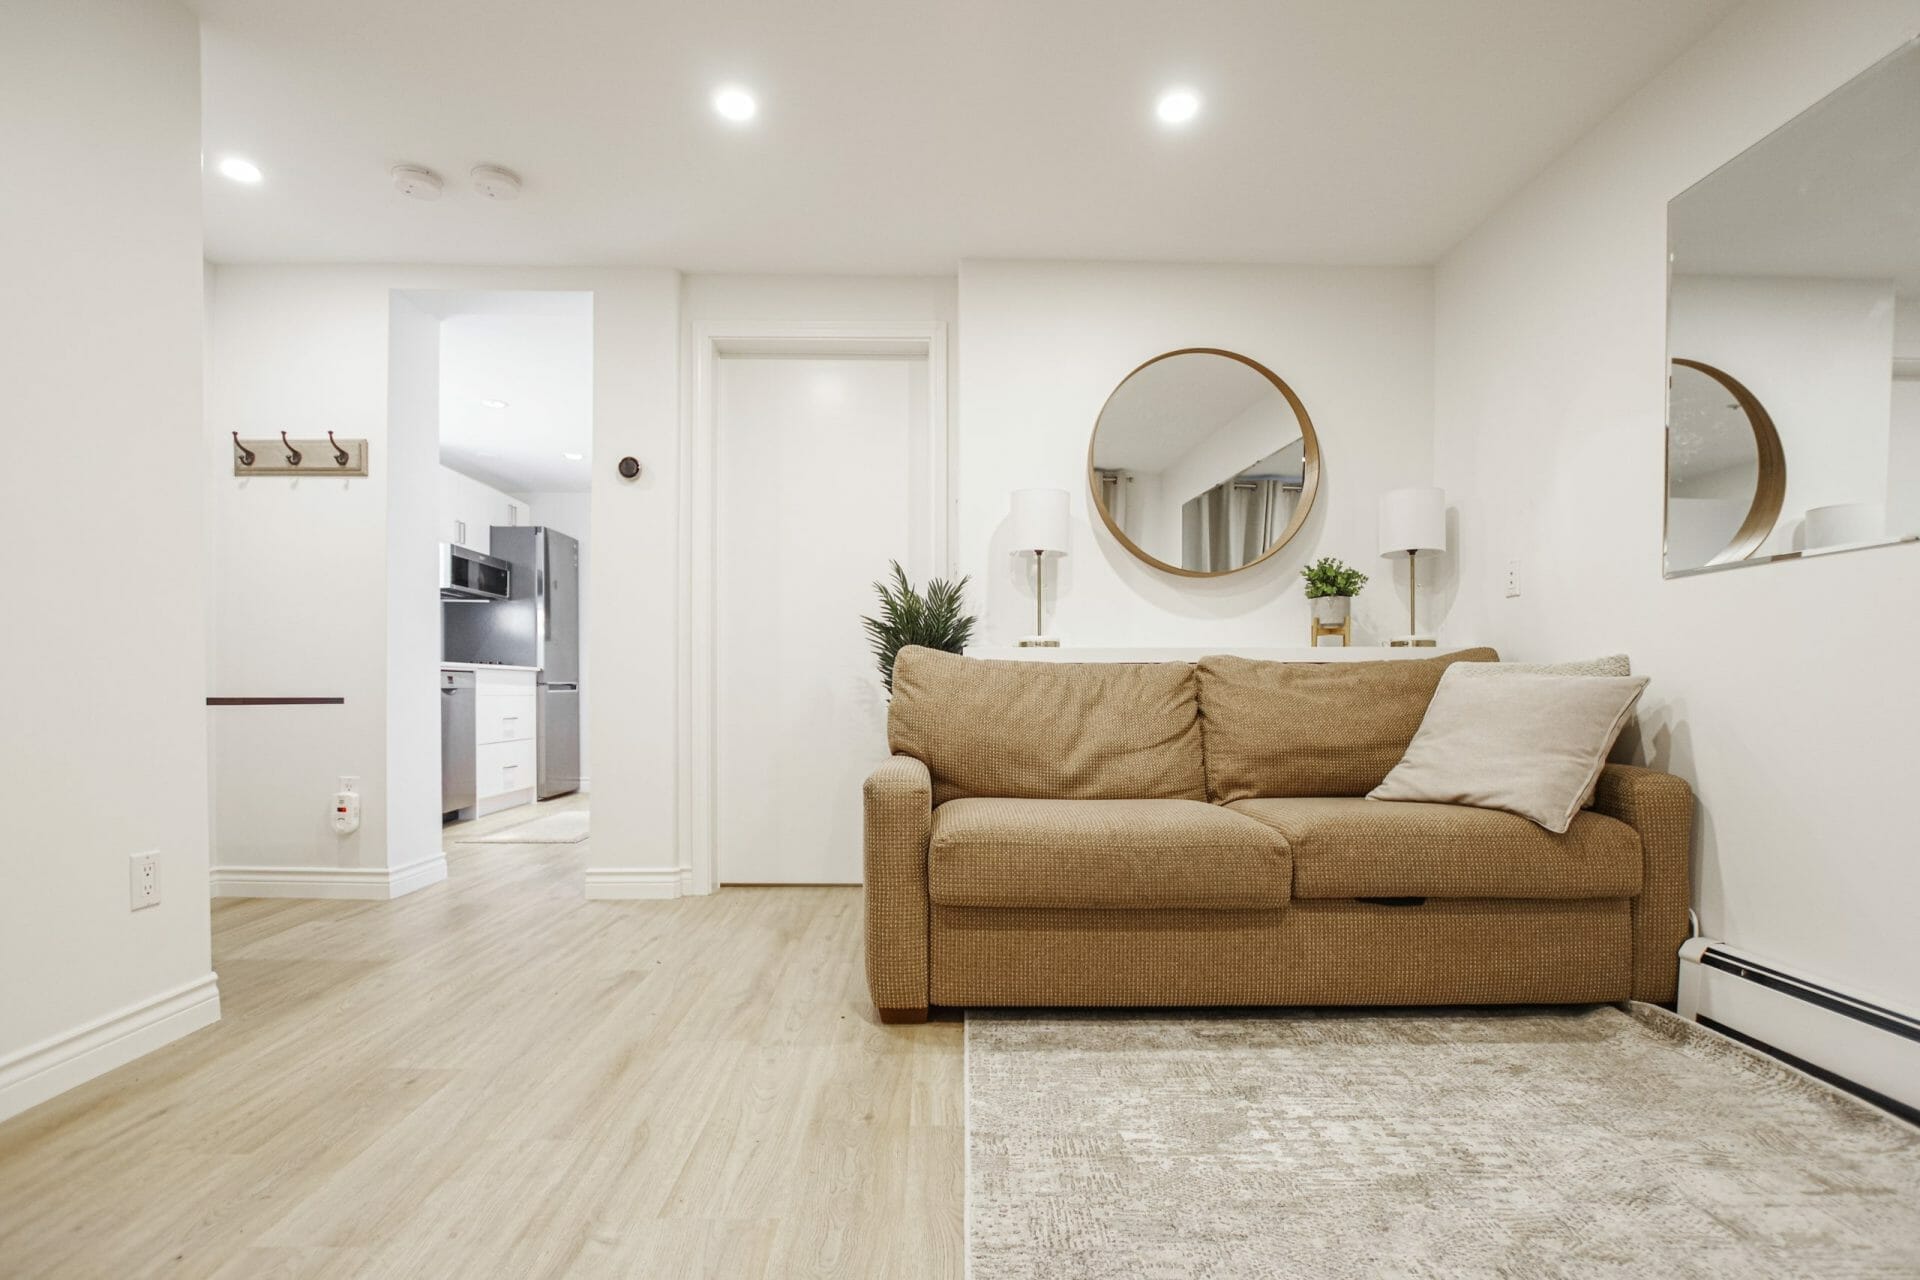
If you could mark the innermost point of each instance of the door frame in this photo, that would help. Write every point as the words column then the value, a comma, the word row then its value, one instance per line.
column 699, row 437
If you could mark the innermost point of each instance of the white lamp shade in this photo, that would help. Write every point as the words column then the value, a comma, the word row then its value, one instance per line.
column 1413, row 520
column 1039, row 521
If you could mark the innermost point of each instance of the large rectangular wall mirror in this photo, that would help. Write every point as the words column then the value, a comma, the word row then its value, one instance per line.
column 1793, row 336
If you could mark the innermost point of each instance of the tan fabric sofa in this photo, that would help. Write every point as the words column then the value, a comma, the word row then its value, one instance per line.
column 1176, row 834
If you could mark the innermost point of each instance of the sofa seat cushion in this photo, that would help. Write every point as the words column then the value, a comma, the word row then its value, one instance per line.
column 1142, row 854
column 1353, row 847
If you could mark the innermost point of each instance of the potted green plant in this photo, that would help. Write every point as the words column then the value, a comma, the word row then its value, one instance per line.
column 1331, row 587
column 933, row 619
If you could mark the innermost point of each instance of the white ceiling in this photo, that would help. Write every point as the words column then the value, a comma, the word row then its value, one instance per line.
column 903, row 135
column 1162, row 412
column 535, row 352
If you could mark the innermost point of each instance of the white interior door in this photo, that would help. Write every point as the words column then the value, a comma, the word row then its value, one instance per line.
column 816, row 486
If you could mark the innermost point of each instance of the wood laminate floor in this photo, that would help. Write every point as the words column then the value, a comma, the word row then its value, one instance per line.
column 496, row 1077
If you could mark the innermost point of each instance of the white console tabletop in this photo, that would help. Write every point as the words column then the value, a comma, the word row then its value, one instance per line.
column 482, row 666
column 1193, row 653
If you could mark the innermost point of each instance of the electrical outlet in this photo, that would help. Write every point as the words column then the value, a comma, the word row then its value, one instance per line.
column 1513, row 578
column 143, row 881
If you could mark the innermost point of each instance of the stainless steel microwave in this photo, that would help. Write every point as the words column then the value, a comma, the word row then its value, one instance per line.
column 469, row 575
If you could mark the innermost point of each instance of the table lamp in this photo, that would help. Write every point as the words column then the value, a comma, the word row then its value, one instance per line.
column 1412, row 521
column 1039, row 525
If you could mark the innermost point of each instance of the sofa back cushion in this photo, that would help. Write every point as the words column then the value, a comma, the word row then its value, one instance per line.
column 1049, row 730
column 1312, row 728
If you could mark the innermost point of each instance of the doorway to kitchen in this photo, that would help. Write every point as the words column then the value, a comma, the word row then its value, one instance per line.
column 513, row 429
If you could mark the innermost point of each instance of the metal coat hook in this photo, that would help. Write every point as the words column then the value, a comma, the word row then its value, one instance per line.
column 266, row 456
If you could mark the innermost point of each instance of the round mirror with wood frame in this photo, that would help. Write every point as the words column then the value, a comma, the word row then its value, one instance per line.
column 1203, row 462
column 1726, row 469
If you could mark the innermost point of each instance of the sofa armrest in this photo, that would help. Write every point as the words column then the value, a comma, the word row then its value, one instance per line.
column 899, row 824
column 1660, row 807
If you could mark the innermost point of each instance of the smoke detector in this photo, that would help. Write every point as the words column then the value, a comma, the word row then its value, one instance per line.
column 413, row 180
column 495, row 183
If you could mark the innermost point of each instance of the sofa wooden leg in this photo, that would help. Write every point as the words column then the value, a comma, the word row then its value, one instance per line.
column 897, row 1017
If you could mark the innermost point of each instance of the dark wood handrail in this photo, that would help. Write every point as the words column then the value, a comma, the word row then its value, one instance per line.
column 275, row 702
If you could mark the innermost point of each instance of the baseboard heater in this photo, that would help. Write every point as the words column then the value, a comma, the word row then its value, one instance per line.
column 1858, row 1044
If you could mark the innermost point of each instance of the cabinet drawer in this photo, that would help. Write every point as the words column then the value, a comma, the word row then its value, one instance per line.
column 503, row 720
column 500, row 767
column 503, row 684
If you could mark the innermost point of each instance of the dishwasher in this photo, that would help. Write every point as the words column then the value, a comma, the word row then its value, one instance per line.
column 457, row 784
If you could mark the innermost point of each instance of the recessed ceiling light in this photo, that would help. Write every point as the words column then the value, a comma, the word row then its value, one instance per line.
column 494, row 404
column 573, row 457
column 239, row 169
column 735, row 104
column 1177, row 106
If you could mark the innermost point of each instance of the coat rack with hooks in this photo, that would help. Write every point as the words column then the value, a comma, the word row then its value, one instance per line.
column 281, row 456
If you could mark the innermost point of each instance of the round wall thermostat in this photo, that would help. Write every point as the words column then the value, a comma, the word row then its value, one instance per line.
column 630, row 467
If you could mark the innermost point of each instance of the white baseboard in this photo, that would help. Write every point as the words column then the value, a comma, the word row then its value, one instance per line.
column 376, row 883
column 417, row 874
column 31, row 1075
column 505, row 800
column 1853, row 1036
column 626, row 884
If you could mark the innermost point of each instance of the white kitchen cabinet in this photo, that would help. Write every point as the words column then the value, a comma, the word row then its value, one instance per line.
column 470, row 509
column 504, row 720
column 505, row 774
column 506, row 752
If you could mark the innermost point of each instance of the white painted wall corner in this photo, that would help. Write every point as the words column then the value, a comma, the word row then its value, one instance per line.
column 38, row 1072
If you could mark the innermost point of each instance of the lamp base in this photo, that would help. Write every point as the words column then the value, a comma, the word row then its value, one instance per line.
column 1039, row 642
column 1412, row 642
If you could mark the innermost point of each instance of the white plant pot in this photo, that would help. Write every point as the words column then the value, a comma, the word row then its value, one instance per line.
column 1331, row 610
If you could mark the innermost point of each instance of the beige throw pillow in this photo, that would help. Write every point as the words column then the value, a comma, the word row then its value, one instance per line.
column 1614, row 664
column 1526, row 743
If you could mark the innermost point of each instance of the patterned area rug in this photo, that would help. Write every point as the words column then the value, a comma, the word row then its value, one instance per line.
column 566, row 827
column 1413, row 1143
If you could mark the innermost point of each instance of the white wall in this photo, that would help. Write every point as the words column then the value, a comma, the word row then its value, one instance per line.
column 1041, row 346
column 104, row 752
column 412, row 573
column 300, row 594
column 301, row 571
column 572, row 514
column 1903, row 433
column 1782, row 692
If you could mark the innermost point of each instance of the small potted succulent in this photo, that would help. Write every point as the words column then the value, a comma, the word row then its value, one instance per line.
column 1331, row 587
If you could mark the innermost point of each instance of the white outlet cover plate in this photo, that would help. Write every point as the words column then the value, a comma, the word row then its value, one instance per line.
column 143, row 880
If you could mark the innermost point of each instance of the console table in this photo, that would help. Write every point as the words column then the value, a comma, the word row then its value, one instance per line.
column 1195, row 652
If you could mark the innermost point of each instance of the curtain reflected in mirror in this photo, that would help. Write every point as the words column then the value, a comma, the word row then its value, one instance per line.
column 1203, row 462
column 1793, row 326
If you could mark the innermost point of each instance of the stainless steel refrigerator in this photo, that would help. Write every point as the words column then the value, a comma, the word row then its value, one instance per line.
column 538, row 625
